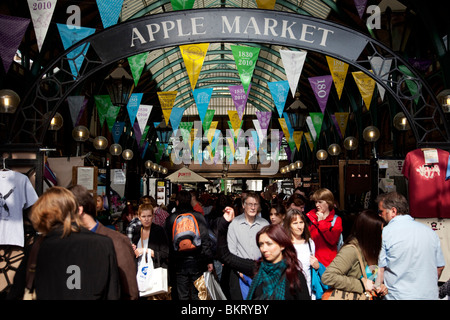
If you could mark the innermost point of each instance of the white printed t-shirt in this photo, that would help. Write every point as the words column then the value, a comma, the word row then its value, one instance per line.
column 16, row 194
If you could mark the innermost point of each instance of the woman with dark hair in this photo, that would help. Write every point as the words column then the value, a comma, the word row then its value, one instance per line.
column 296, row 226
column 280, row 276
column 277, row 275
column 344, row 272
column 277, row 213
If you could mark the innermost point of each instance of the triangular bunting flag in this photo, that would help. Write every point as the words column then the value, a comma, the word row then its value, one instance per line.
column 235, row 121
column 279, row 91
column 245, row 59
column 309, row 140
column 167, row 100
column 133, row 106
column 264, row 120
column 206, row 123
column 360, row 7
column 285, row 129
column 321, row 86
column 381, row 68
column 338, row 71
column 239, row 98
column 109, row 11
column 111, row 116
column 182, row 4
column 341, row 120
column 412, row 85
column 77, row 105
column 103, row 103
column 317, row 119
column 142, row 115
column 298, row 135
column 293, row 62
column 41, row 14
column 12, row 30
column 193, row 57
column 69, row 37
column 117, row 130
column 137, row 64
column 202, row 97
column 266, row 4
column 366, row 85
column 175, row 117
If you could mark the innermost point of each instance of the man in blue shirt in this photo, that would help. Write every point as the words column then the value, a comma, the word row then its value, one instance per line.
column 411, row 259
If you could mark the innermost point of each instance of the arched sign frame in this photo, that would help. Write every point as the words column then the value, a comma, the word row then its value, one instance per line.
column 425, row 115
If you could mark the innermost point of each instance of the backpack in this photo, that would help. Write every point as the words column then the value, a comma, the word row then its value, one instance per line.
column 341, row 237
column 185, row 233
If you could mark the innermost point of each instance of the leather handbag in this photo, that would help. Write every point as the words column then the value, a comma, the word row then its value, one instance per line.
column 337, row 294
column 30, row 293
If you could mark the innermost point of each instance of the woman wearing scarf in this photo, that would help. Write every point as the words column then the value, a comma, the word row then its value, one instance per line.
column 280, row 276
column 277, row 275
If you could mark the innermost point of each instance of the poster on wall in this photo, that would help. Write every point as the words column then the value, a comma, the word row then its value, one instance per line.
column 160, row 192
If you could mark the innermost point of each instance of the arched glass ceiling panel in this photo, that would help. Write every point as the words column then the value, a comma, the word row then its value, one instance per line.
column 166, row 66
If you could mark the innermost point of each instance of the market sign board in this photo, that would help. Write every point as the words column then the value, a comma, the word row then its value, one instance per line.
column 228, row 25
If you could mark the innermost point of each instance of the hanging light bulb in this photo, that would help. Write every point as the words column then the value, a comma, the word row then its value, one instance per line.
column 321, row 154
column 127, row 154
column 334, row 149
column 56, row 123
column 298, row 164
column 350, row 143
column 115, row 149
column 100, row 143
column 148, row 164
column 371, row 134
column 80, row 133
column 400, row 122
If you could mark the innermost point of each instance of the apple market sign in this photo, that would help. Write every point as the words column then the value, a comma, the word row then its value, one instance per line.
column 228, row 25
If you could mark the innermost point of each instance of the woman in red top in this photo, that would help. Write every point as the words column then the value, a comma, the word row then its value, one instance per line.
column 324, row 235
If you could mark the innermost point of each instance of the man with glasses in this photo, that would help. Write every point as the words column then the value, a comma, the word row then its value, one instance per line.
column 242, row 238
column 411, row 260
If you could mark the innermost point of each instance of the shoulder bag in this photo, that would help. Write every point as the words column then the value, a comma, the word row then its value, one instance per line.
column 337, row 294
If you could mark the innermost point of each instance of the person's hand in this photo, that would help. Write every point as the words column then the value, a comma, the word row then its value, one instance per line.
column 320, row 216
column 381, row 291
column 314, row 262
column 368, row 284
column 228, row 214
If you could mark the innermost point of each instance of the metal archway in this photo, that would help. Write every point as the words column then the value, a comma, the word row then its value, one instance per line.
column 422, row 109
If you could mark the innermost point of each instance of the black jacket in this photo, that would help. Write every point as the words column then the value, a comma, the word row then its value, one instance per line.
column 81, row 266
column 194, row 260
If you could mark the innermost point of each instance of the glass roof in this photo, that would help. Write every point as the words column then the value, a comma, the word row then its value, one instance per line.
column 167, row 68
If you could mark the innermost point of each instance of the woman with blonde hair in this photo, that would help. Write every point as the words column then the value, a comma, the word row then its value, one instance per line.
column 72, row 262
column 151, row 238
column 325, row 229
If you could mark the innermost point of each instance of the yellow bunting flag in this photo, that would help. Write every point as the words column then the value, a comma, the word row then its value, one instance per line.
column 309, row 140
column 235, row 120
column 342, row 119
column 167, row 100
column 298, row 138
column 338, row 71
column 366, row 86
column 266, row 4
column 284, row 128
column 192, row 137
column 212, row 131
column 193, row 57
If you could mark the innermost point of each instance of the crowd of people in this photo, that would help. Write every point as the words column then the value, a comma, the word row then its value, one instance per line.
column 258, row 247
